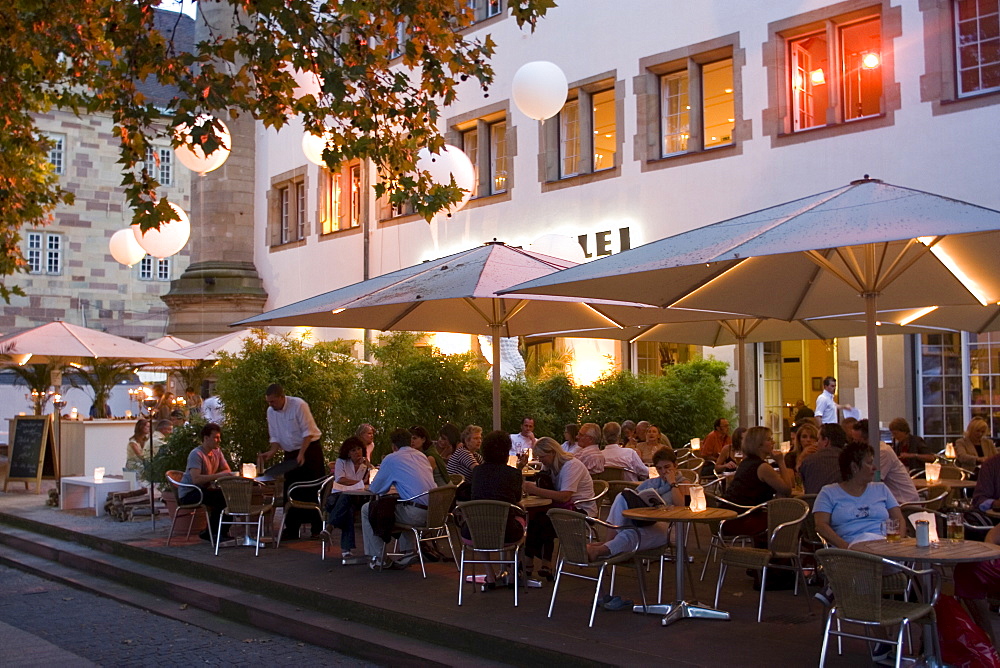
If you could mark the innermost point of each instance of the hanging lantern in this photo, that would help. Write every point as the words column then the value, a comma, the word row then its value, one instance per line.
column 168, row 239
column 313, row 147
column 193, row 157
column 450, row 162
column 539, row 89
column 125, row 248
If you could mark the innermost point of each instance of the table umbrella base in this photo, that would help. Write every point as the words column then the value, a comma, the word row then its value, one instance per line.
column 681, row 610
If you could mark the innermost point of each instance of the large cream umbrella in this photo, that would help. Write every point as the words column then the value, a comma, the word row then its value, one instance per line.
column 458, row 293
column 865, row 247
column 72, row 343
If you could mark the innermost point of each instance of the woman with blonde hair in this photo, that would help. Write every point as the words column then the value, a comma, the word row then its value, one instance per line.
column 571, row 483
column 756, row 482
column 135, row 455
column 976, row 446
column 805, row 442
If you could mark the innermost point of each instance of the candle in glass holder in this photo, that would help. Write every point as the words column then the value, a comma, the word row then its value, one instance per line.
column 949, row 450
column 73, row 414
column 698, row 502
column 249, row 470
column 128, row 415
column 696, row 444
column 932, row 471
column 785, row 447
column 99, row 474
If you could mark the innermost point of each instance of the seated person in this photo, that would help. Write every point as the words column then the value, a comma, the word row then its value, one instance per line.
column 570, row 433
column 823, row 467
column 855, row 509
column 421, row 440
column 667, row 485
column 589, row 442
column 205, row 465
column 350, row 473
column 976, row 446
column 912, row 450
column 756, row 482
column 654, row 441
column 895, row 476
column 466, row 456
column 408, row 470
column 623, row 458
column 135, row 453
column 731, row 455
column 975, row 582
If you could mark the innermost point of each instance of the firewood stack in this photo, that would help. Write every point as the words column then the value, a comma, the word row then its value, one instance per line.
column 122, row 506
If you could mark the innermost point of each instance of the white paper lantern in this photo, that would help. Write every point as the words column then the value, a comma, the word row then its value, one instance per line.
column 167, row 240
column 450, row 162
column 124, row 247
column 313, row 147
column 539, row 89
column 193, row 157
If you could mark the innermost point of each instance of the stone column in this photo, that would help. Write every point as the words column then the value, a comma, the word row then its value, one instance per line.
column 221, row 285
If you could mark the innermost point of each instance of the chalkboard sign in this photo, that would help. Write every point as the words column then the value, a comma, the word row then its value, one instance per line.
column 31, row 450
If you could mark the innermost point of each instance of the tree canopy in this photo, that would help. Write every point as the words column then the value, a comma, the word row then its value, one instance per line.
column 386, row 68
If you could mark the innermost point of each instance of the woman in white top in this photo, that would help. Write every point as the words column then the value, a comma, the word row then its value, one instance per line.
column 571, row 484
column 350, row 473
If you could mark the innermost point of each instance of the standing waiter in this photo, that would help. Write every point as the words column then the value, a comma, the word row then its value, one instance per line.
column 291, row 427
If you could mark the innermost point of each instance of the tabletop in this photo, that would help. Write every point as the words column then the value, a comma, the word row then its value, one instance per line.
column 679, row 514
column 942, row 552
column 921, row 483
column 535, row 502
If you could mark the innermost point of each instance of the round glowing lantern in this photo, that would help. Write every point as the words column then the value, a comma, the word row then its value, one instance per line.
column 193, row 156
column 313, row 147
column 539, row 89
column 450, row 162
column 168, row 239
column 124, row 247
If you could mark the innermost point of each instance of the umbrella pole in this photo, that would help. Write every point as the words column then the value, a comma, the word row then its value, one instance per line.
column 496, row 329
column 871, row 357
column 742, row 381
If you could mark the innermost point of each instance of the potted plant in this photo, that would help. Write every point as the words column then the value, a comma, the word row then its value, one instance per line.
column 173, row 456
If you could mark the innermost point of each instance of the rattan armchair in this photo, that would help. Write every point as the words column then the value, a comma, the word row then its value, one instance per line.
column 784, row 524
column 486, row 522
column 188, row 509
column 573, row 531
column 860, row 592
column 240, row 508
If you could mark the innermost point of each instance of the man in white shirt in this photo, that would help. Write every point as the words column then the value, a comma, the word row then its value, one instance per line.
column 623, row 458
column 524, row 440
column 590, row 454
column 291, row 428
column 826, row 405
column 894, row 474
column 409, row 470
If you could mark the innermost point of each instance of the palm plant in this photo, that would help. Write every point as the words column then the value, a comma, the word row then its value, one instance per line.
column 38, row 378
column 102, row 375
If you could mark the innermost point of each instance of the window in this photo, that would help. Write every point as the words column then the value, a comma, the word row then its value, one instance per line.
column 44, row 253
column 491, row 144
column 160, row 164
column 583, row 138
column 354, row 172
column 977, row 46
column 836, row 85
column 833, row 71
column 484, row 9
column 342, row 198
column 690, row 104
column 288, row 219
column 940, row 390
column 498, row 156
column 330, row 194
column 151, row 268
column 652, row 356
column 470, row 144
column 57, row 152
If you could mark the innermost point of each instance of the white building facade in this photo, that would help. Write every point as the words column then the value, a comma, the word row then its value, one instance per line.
column 682, row 114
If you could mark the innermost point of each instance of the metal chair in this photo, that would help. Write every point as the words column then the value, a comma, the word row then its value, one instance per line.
column 487, row 523
column 720, row 540
column 321, row 487
column 439, row 502
column 190, row 509
column 238, row 493
column 573, row 531
column 784, row 523
column 859, row 589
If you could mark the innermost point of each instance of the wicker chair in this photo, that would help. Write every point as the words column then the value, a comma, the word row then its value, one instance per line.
column 321, row 488
column 784, row 524
column 487, row 522
column 456, row 479
column 859, row 587
column 610, row 473
column 600, row 489
column 238, row 493
column 189, row 509
column 439, row 502
column 573, row 531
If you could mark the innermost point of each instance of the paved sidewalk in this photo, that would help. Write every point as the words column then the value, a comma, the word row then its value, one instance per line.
column 21, row 649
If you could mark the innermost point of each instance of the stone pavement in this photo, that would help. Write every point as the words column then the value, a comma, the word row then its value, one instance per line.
column 44, row 623
column 487, row 625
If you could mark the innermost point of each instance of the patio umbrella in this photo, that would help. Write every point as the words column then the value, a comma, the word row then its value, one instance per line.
column 231, row 343
column 73, row 343
column 863, row 247
column 739, row 332
column 169, row 342
column 458, row 293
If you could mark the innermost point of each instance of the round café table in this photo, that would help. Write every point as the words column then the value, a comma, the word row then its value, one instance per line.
column 944, row 552
column 680, row 608
column 532, row 501
column 921, row 483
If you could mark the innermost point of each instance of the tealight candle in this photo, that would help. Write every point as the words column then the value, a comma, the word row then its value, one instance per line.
column 949, row 451
column 99, row 474
column 249, row 470
column 932, row 471
column 696, row 444
column 698, row 501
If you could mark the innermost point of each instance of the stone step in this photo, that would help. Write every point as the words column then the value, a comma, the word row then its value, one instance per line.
column 198, row 601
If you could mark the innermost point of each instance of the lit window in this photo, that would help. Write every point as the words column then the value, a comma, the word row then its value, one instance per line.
column 977, row 46
column 355, row 179
column 484, row 141
column 146, row 268
column 605, row 129
column 569, row 139
column 484, row 9
column 300, row 210
column 330, row 194
column 34, row 254
column 836, row 84
column 44, row 253
column 498, row 156
column 715, row 109
column 57, row 152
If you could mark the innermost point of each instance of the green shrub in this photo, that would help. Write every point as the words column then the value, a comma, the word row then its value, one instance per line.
column 173, row 454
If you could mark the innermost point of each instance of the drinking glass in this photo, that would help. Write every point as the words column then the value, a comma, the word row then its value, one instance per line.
column 892, row 530
column 956, row 527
